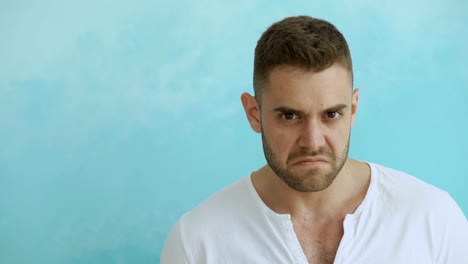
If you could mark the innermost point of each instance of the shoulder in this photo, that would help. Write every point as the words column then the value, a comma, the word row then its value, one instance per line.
column 225, row 203
column 230, row 207
column 424, row 210
column 402, row 195
column 199, row 229
column 398, row 186
column 399, row 193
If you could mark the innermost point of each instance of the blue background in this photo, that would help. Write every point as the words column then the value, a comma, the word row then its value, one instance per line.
column 116, row 118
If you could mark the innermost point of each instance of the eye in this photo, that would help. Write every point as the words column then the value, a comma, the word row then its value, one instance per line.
column 333, row 115
column 289, row 116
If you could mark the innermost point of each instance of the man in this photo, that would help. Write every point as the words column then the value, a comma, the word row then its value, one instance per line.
column 311, row 203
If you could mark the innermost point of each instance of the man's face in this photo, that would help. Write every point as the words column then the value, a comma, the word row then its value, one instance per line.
column 306, row 119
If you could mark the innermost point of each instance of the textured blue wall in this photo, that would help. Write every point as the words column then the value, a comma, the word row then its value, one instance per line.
column 115, row 118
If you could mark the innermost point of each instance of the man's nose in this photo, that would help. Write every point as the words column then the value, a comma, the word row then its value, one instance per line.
column 312, row 135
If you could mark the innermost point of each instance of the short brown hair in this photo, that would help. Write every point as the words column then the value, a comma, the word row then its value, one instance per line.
column 302, row 41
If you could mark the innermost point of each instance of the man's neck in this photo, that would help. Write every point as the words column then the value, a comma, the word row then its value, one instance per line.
column 342, row 197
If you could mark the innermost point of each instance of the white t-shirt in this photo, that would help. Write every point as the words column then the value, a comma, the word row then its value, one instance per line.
column 401, row 220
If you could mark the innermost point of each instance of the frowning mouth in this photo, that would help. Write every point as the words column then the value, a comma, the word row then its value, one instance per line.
column 310, row 161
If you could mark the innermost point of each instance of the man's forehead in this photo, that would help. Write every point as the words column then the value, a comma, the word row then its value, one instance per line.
column 285, row 78
column 306, row 108
column 331, row 108
column 298, row 71
column 303, row 103
column 289, row 97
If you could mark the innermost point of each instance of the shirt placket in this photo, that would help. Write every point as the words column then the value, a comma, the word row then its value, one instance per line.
column 346, row 241
column 293, row 243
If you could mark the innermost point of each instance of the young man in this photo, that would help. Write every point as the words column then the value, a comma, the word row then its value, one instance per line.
column 311, row 203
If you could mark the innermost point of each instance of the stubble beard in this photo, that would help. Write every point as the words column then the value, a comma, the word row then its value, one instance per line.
column 315, row 179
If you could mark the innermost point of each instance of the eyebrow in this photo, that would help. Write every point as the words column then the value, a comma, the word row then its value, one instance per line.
column 285, row 109
column 336, row 108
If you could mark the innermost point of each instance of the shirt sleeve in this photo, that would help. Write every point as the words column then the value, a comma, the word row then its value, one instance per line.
column 454, row 248
column 174, row 249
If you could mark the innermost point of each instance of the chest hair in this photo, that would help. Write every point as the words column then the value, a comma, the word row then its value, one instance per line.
column 319, row 241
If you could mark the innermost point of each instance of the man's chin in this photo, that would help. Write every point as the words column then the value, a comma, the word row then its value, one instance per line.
column 309, row 188
column 306, row 183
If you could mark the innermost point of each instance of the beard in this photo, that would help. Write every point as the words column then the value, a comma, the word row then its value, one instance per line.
column 314, row 179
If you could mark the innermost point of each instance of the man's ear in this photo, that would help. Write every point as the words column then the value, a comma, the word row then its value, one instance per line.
column 354, row 105
column 252, row 111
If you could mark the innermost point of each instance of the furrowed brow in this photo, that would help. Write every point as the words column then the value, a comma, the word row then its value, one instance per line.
column 284, row 109
column 336, row 108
